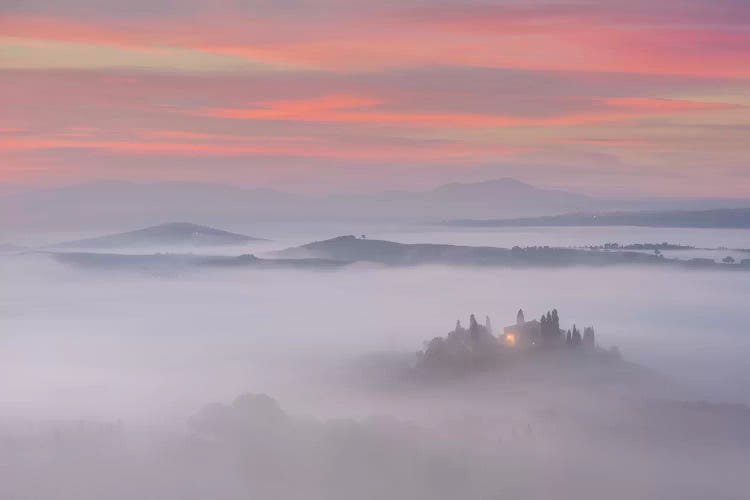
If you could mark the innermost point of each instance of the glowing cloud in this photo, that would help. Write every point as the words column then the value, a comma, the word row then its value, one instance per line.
column 638, row 87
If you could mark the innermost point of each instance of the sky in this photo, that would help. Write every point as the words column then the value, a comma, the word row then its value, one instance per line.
column 636, row 98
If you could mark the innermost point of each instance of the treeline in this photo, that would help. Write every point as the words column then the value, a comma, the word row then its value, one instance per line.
column 551, row 333
column 641, row 246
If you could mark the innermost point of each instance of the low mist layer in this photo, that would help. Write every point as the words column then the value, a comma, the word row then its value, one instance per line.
column 70, row 335
column 106, row 377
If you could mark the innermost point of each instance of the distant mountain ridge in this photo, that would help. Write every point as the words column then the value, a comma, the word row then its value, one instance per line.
column 513, row 190
column 722, row 218
column 168, row 234
column 504, row 196
column 102, row 204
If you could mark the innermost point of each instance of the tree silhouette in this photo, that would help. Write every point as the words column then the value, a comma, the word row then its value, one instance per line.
column 588, row 337
column 555, row 321
column 474, row 329
column 576, row 336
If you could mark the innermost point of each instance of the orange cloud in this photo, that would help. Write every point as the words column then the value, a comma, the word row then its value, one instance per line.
column 438, row 152
column 183, row 135
column 430, row 85
column 666, row 106
column 636, row 143
column 366, row 111
column 541, row 38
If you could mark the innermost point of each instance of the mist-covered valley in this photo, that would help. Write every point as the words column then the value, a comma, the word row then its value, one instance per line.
column 139, row 384
column 374, row 250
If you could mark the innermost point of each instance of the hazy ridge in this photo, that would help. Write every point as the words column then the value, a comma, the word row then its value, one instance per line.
column 720, row 218
column 107, row 204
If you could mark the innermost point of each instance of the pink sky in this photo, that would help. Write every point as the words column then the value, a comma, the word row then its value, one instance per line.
column 606, row 97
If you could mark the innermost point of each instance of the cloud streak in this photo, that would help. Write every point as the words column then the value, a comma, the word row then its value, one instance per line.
column 411, row 82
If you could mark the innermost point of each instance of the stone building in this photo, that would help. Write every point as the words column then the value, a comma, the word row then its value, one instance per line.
column 523, row 333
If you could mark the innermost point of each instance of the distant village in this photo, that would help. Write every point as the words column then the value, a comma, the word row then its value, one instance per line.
column 477, row 347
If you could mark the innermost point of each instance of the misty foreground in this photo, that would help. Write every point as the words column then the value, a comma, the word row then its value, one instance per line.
column 561, row 418
column 251, row 448
column 84, row 356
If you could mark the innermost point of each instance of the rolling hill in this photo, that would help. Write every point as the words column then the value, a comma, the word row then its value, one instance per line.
column 169, row 234
column 352, row 249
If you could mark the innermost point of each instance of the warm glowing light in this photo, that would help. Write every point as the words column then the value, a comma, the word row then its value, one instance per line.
column 510, row 339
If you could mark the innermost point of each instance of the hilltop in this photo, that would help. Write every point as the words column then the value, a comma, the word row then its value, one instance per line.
column 169, row 234
column 353, row 249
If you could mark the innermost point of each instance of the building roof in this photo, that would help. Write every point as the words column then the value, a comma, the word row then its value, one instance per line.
column 534, row 323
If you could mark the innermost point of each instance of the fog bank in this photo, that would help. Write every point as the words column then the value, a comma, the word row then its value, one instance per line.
column 115, row 345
